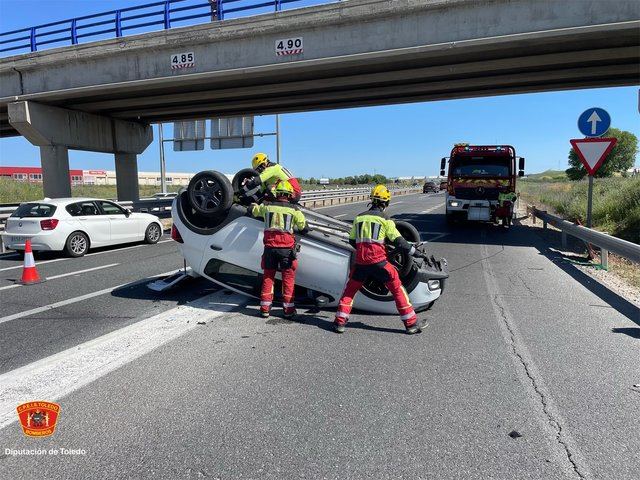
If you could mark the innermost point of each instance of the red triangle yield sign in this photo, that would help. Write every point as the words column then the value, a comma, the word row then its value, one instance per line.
column 593, row 151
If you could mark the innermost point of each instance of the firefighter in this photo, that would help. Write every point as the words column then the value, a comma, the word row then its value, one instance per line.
column 280, row 219
column 270, row 175
column 370, row 231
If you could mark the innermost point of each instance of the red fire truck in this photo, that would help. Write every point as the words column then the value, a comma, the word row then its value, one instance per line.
column 481, row 182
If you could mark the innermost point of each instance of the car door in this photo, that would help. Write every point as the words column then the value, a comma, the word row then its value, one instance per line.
column 91, row 222
column 124, row 227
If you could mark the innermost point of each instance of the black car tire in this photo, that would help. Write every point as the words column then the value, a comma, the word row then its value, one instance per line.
column 401, row 259
column 210, row 193
column 153, row 233
column 77, row 244
column 239, row 179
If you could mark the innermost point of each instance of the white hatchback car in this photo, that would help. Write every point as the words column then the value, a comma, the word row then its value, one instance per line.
column 77, row 224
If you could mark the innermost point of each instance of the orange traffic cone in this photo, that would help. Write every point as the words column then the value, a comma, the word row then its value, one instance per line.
column 29, row 272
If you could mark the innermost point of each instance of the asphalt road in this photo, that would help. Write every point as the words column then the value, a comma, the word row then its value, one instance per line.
column 526, row 370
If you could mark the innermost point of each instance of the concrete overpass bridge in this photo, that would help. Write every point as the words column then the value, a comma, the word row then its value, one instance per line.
column 102, row 96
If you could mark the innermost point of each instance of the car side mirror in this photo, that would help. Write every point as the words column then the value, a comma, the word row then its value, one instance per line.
column 443, row 164
column 127, row 212
column 521, row 164
column 442, row 173
column 521, row 173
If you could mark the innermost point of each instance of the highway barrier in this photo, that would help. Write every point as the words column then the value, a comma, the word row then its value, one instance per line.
column 161, row 207
column 605, row 242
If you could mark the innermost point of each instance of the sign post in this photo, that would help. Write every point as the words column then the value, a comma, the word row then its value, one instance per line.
column 592, row 151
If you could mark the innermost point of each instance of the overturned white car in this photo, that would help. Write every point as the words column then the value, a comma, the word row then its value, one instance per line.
column 222, row 243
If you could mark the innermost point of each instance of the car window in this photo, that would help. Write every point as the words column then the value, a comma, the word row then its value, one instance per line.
column 232, row 275
column 111, row 208
column 82, row 209
column 34, row 210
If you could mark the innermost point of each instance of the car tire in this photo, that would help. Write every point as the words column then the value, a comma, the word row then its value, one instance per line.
column 77, row 244
column 153, row 233
column 210, row 193
column 239, row 179
column 401, row 259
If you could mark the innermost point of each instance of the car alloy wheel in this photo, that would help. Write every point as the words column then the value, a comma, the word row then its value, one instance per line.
column 78, row 244
column 153, row 233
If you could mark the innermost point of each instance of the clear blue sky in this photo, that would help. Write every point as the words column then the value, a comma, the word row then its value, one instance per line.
column 392, row 140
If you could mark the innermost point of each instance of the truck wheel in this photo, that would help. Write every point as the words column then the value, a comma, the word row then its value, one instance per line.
column 210, row 193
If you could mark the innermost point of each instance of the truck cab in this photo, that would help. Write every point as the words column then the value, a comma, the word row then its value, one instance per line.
column 481, row 182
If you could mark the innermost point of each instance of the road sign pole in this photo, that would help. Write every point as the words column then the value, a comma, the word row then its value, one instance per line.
column 163, row 167
column 589, row 201
column 277, row 138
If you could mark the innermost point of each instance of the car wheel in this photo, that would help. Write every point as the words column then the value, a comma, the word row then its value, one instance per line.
column 239, row 180
column 77, row 244
column 210, row 193
column 399, row 258
column 153, row 233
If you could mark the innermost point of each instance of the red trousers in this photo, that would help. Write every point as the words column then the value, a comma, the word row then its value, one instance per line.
column 288, row 284
column 385, row 273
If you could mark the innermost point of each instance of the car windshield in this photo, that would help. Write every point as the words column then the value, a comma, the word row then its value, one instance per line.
column 34, row 210
column 481, row 166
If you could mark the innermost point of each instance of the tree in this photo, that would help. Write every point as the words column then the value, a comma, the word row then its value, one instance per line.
column 621, row 158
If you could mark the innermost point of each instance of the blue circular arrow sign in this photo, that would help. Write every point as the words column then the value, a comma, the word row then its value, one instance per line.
column 594, row 122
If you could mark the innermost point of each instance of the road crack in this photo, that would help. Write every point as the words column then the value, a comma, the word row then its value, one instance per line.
column 555, row 424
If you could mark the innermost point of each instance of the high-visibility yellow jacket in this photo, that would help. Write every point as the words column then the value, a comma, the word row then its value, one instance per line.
column 370, row 231
column 280, row 220
column 277, row 173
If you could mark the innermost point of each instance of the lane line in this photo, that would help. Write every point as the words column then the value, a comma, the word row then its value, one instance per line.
column 429, row 210
column 62, row 373
column 80, row 298
column 16, row 285
column 87, row 255
column 338, row 216
column 354, row 203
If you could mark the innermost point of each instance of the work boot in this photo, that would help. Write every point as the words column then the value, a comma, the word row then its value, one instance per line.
column 264, row 313
column 413, row 329
column 339, row 327
column 289, row 314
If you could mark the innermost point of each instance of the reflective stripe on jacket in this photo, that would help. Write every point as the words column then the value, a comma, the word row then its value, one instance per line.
column 280, row 219
column 370, row 231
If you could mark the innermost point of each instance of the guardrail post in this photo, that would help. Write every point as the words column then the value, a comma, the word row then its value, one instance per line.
column 278, row 5
column 564, row 239
column 604, row 258
column 74, row 33
column 219, row 8
column 167, row 19
column 118, row 23
column 544, row 224
column 32, row 38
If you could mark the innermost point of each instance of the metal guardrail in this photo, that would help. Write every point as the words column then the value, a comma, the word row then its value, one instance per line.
column 162, row 207
column 605, row 242
column 159, row 15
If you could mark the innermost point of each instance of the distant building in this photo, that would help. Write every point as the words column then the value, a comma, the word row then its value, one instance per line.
column 94, row 177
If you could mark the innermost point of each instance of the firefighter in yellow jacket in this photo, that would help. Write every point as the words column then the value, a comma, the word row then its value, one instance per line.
column 271, row 174
column 280, row 220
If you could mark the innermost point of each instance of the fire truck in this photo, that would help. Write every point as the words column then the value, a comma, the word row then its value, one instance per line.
column 481, row 182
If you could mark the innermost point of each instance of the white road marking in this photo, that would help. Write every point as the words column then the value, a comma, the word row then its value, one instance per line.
column 87, row 255
column 429, row 210
column 338, row 216
column 77, row 272
column 60, row 374
column 80, row 298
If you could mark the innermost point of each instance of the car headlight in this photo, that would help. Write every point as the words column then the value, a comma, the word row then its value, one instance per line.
column 433, row 284
column 453, row 203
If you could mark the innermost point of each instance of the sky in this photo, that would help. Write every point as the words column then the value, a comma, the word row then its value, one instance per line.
column 397, row 140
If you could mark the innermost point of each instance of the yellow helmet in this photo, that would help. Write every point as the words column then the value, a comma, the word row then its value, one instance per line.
column 284, row 188
column 258, row 160
column 381, row 193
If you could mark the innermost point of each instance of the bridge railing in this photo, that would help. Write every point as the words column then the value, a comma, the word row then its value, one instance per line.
column 159, row 15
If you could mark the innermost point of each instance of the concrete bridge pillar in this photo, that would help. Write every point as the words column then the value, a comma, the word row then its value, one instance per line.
column 55, row 171
column 127, row 176
column 56, row 130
